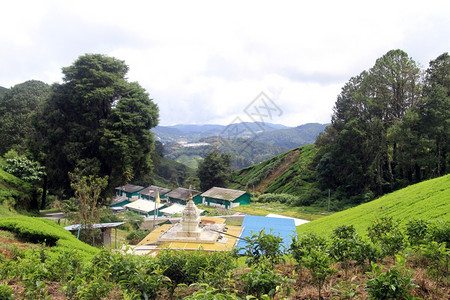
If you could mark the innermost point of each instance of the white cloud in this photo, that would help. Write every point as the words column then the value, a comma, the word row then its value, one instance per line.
column 204, row 61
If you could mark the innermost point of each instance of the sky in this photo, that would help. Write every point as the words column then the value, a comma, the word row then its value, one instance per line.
column 220, row 62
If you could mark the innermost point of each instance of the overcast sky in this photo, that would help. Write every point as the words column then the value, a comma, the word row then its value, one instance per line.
column 206, row 61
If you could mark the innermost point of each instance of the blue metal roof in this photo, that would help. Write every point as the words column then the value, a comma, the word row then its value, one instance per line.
column 284, row 228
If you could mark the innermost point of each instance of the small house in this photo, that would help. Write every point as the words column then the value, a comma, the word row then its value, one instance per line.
column 129, row 191
column 182, row 196
column 145, row 207
column 226, row 198
column 124, row 195
column 151, row 192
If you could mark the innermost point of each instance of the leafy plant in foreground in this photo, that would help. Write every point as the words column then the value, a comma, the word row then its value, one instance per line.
column 395, row 283
column 258, row 283
column 386, row 233
column 302, row 246
column 263, row 248
column 319, row 265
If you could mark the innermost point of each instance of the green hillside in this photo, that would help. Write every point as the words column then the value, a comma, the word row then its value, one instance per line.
column 32, row 229
column 42, row 231
column 288, row 172
column 12, row 190
column 428, row 200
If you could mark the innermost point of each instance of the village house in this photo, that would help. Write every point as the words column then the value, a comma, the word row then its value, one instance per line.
column 182, row 196
column 226, row 198
column 151, row 192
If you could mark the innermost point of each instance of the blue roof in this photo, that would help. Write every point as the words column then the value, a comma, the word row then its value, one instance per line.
column 284, row 228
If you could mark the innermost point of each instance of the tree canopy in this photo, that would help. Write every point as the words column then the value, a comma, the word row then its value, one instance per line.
column 389, row 129
column 17, row 105
column 98, row 122
column 214, row 170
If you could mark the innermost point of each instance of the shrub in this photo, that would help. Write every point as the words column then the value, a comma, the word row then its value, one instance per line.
column 207, row 292
column 395, row 283
column 136, row 236
column 319, row 265
column 281, row 198
column 258, row 283
column 416, row 230
column 387, row 234
column 263, row 248
column 439, row 232
column 437, row 258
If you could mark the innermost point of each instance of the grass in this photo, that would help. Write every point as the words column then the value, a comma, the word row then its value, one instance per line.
column 428, row 200
column 263, row 209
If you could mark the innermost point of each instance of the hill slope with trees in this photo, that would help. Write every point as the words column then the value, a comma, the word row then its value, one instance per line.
column 390, row 128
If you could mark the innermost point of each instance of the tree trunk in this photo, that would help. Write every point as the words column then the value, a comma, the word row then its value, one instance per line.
column 44, row 193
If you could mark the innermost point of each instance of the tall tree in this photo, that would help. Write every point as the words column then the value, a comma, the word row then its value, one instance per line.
column 99, row 122
column 435, row 113
column 214, row 170
column 17, row 106
column 362, row 152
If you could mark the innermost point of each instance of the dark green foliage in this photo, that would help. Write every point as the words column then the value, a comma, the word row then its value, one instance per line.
column 171, row 173
column 386, row 232
column 389, row 129
column 133, row 219
column 214, row 170
column 29, row 171
column 136, row 236
column 98, row 122
column 259, row 283
column 17, row 107
column 394, row 283
column 13, row 190
column 416, row 231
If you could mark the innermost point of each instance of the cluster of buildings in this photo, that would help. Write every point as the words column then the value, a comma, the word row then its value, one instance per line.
column 159, row 201
column 190, row 231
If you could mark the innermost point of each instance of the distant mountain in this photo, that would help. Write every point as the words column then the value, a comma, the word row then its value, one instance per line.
column 287, row 137
column 293, row 137
column 248, row 143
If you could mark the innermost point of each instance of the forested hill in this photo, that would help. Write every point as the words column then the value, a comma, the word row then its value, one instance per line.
column 290, row 172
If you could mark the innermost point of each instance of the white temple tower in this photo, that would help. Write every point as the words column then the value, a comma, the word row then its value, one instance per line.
column 190, row 221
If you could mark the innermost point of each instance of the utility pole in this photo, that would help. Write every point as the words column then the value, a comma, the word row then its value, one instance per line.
column 329, row 201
